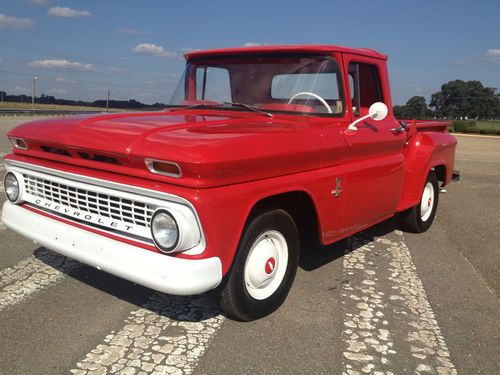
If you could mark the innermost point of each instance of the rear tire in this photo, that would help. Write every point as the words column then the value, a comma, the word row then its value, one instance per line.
column 264, row 267
column 420, row 217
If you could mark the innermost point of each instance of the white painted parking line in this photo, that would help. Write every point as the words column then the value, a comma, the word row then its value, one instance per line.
column 32, row 275
column 2, row 225
column 389, row 325
column 167, row 335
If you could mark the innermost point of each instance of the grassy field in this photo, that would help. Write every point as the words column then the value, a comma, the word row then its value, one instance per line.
column 477, row 127
column 12, row 105
column 487, row 125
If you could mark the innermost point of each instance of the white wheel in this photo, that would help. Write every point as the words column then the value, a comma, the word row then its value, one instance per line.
column 427, row 201
column 420, row 217
column 307, row 93
column 266, row 264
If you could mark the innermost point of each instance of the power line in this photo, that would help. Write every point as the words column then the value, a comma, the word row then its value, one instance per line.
column 105, row 62
column 16, row 73
column 51, row 78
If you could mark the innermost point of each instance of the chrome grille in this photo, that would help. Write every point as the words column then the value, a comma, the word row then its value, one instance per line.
column 105, row 205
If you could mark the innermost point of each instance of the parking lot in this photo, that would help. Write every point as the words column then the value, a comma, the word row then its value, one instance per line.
column 382, row 302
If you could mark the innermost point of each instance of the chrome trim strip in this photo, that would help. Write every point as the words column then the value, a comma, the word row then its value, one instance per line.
column 102, row 183
column 126, row 236
column 14, row 140
column 150, row 166
column 198, row 249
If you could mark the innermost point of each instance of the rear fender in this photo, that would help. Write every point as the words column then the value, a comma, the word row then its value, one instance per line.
column 424, row 152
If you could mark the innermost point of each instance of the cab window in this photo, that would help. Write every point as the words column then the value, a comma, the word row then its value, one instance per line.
column 212, row 84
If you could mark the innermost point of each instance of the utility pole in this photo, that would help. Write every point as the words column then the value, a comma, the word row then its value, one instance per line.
column 107, row 101
column 33, row 93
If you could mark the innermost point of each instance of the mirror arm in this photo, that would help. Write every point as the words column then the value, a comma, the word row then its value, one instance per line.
column 378, row 111
column 353, row 125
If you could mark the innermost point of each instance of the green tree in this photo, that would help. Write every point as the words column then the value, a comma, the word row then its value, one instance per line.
column 399, row 111
column 460, row 99
column 415, row 108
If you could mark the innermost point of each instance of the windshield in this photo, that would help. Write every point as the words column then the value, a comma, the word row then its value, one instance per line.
column 269, row 83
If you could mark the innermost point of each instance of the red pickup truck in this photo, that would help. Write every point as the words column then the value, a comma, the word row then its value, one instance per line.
column 255, row 145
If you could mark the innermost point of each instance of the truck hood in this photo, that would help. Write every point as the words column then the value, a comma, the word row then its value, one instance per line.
column 212, row 148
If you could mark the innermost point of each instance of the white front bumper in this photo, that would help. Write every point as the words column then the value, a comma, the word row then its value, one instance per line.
column 153, row 270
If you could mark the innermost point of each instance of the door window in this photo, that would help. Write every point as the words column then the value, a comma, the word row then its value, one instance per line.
column 364, row 82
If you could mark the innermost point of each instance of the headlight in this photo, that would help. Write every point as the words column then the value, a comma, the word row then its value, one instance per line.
column 12, row 188
column 165, row 230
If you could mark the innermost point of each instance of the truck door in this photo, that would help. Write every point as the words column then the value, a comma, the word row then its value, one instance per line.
column 373, row 162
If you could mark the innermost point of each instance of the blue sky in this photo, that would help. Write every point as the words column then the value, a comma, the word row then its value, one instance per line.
column 79, row 49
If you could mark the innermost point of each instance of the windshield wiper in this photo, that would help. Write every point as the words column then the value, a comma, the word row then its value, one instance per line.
column 249, row 107
column 232, row 104
column 199, row 105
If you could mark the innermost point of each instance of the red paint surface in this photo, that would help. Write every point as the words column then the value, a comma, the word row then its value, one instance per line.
column 270, row 265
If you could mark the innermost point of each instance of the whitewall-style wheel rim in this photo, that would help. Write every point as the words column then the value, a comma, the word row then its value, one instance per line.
column 427, row 202
column 266, row 265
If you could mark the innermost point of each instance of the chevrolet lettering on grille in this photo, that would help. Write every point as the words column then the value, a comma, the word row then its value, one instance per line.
column 89, row 218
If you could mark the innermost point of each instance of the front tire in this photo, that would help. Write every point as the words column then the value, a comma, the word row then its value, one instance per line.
column 420, row 217
column 264, row 267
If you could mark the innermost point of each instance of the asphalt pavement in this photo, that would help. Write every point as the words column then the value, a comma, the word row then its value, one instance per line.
column 381, row 302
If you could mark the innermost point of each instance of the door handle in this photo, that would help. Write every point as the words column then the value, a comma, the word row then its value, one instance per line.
column 398, row 130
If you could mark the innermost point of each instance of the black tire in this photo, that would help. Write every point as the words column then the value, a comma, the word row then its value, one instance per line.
column 236, row 299
column 412, row 219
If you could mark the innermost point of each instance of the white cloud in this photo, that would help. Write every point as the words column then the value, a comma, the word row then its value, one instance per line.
column 126, row 31
column 252, row 44
column 39, row 2
column 7, row 22
column 493, row 52
column 64, row 80
column 188, row 49
column 57, row 91
column 492, row 56
column 114, row 70
column 417, row 88
column 62, row 64
column 19, row 90
column 68, row 12
column 153, row 49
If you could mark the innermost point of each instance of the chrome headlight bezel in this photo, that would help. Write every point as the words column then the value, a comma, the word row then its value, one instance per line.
column 170, row 247
column 7, row 183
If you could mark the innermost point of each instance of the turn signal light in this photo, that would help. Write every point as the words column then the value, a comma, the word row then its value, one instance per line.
column 166, row 168
column 18, row 143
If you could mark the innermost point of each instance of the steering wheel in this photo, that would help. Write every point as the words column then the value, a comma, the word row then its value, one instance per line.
column 316, row 96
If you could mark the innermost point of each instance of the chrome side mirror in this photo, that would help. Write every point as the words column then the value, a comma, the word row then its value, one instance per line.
column 378, row 111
